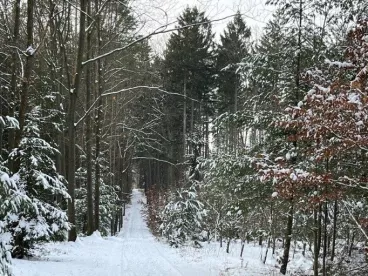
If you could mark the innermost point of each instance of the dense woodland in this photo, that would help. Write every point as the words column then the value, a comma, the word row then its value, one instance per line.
column 232, row 139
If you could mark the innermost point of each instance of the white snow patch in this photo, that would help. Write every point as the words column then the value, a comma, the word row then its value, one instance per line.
column 339, row 64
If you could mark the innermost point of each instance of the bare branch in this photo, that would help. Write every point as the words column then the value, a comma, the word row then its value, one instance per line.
column 125, row 90
column 160, row 30
column 154, row 158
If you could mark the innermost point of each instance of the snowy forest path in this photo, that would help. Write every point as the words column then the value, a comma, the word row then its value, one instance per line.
column 133, row 252
column 142, row 254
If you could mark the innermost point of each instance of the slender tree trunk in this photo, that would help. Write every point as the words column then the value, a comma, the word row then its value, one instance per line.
column 268, row 247
column 299, row 53
column 317, row 238
column 112, row 223
column 121, row 180
column 73, row 94
column 185, row 117
column 98, row 118
column 192, row 122
column 325, row 238
column 289, row 230
column 334, row 231
column 242, row 248
column 56, row 82
column 1, row 134
column 13, row 81
column 90, row 222
column 206, row 146
column 170, row 168
column 26, row 80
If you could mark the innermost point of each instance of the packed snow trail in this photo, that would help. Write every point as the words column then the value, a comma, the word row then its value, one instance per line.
column 142, row 255
column 136, row 252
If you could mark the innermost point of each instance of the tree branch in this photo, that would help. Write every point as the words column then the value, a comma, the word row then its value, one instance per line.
column 125, row 90
column 160, row 30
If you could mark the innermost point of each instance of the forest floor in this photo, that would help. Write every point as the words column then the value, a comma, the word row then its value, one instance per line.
column 136, row 252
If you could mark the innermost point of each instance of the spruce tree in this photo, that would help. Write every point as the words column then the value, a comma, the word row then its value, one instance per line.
column 11, row 200
column 232, row 49
column 230, row 52
column 45, row 218
column 187, row 70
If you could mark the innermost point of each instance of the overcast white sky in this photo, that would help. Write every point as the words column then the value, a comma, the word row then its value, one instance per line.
column 155, row 13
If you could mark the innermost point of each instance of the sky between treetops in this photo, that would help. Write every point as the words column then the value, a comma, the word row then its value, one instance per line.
column 155, row 13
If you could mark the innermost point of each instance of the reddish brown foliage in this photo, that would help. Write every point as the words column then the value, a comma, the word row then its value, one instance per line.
column 156, row 201
column 329, row 128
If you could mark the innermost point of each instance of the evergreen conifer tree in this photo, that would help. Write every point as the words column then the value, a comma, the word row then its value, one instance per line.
column 45, row 217
column 187, row 70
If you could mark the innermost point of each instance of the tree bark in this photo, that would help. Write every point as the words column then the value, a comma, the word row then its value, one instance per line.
column 289, row 230
column 334, row 231
column 228, row 245
column 73, row 94
column 26, row 80
column 13, row 81
column 90, row 221
column 185, row 117
column 98, row 119
column 325, row 239
column 317, row 239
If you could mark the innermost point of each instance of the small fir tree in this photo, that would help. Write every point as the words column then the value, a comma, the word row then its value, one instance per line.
column 38, row 178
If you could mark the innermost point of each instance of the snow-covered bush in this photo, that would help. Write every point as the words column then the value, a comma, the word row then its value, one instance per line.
column 108, row 206
column 44, row 218
column 11, row 198
column 182, row 217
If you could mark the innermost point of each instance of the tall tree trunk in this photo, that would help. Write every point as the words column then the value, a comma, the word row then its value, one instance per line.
column 13, row 81
column 56, row 81
column 299, row 56
column 120, row 167
column 73, row 94
column 192, row 108
column 90, row 222
column 98, row 118
column 289, row 230
column 185, row 117
column 206, row 146
column 26, row 80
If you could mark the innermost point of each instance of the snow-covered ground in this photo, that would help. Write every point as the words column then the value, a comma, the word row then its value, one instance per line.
column 136, row 252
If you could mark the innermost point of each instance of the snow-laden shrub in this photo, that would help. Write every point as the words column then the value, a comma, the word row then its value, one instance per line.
column 11, row 199
column 44, row 218
column 182, row 217
column 108, row 206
